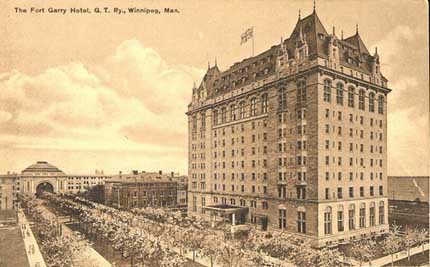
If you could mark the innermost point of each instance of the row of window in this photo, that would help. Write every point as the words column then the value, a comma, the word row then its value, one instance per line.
column 234, row 141
column 351, row 132
column 339, row 193
column 328, row 217
column 301, row 220
column 351, row 175
column 372, row 148
column 234, row 128
column 351, row 97
column 351, row 161
column 240, row 111
column 241, row 164
column 242, row 175
column 255, row 107
column 236, row 188
column 372, row 121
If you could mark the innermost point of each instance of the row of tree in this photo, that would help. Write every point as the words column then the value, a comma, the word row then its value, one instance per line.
column 148, row 236
column 58, row 250
column 395, row 241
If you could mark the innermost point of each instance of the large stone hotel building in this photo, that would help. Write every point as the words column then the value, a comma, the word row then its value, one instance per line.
column 294, row 138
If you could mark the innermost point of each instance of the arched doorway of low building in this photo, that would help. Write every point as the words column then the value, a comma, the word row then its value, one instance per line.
column 44, row 187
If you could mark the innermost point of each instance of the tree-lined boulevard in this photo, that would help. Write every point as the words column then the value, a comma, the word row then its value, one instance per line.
column 160, row 237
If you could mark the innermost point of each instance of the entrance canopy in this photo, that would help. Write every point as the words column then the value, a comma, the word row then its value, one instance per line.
column 232, row 214
column 225, row 209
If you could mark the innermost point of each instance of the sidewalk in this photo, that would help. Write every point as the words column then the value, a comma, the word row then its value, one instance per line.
column 35, row 258
column 399, row 255
column 89, row 257
column 387, row 259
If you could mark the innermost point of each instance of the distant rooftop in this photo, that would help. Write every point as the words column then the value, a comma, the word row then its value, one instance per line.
column 41, row 166
column 141, row 177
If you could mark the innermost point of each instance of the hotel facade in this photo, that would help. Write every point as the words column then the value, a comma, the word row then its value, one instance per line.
column 294, row 138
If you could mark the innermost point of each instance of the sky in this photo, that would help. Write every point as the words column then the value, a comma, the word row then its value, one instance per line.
column 109, row 91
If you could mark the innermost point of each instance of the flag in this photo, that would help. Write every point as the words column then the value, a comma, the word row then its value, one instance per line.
column 248, row 34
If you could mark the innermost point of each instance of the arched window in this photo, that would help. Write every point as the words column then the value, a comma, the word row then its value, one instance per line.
column 301, row 93
column 223, row 115
column 215, row 117
column 282, row 98
column 372, row 214
column 242, row 111
column 372, row 102
column 362, row 215
column 327, row 90
column 233, row 112
column 339, row 94
column 361, row 96
column 264, row 103
column 381, row 212
column 381, row 104
column 327, row 221
column 253, row 106
column 351, row 95
column 351, row 217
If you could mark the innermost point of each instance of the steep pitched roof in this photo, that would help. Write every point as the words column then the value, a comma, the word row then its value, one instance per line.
column 314, row 32
column 356, row 41
column 353, row 53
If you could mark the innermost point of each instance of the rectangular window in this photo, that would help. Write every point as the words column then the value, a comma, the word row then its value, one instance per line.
column 301, row 222
column 351, row 221
column 372, row 216
column 339, row 193
column 340, row 221
column 327, row 223
column 362, row 217
column 381, row 213
column 282, row 219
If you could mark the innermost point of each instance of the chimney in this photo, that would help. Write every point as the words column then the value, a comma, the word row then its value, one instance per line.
column 160, row 172
column 172, row 174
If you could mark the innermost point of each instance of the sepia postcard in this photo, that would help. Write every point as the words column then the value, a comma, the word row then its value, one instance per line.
column 229, row 133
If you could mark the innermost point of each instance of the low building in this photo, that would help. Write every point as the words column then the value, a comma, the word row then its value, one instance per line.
column 42, row 176
column 182, row 196
column 408, row 188
column 9, row 185
column 141, row 189
column 79, row 183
